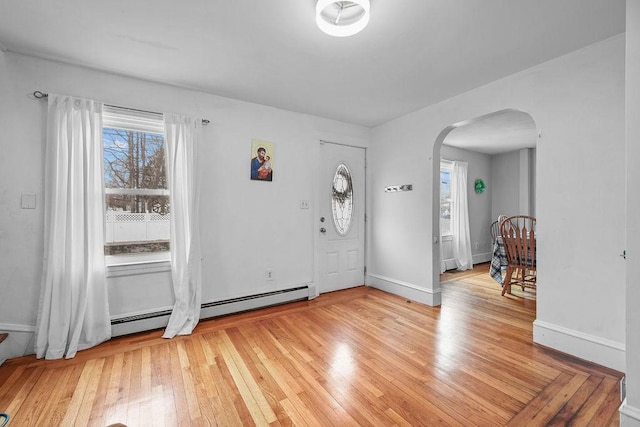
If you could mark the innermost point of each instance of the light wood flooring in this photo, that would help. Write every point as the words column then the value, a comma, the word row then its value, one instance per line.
column 353, row 357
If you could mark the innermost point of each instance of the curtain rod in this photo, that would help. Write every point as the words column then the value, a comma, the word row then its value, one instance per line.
column 39, row 95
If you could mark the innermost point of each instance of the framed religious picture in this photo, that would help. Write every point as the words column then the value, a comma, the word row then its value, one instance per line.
column 262, row 160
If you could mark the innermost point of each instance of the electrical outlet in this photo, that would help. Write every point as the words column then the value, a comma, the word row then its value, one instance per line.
column 28, row 201
column 269, row 274
column 477, row 245
column 304, row 204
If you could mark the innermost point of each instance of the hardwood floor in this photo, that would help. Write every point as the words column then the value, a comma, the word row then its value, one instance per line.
column 354, row 357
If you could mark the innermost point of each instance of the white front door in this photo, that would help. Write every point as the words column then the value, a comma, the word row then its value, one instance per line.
column 341, row 228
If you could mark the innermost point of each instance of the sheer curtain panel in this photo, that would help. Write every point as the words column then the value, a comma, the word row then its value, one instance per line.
column 460, row 217
column 73, row 313
column 182, row 136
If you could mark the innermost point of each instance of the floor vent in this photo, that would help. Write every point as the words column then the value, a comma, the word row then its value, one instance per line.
column 159, row 319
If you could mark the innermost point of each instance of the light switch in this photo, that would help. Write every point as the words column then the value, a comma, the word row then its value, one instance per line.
column 28, row 201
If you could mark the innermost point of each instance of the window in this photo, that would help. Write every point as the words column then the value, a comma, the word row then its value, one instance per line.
column 342, row 199
column 446, row 203
column 137, row 199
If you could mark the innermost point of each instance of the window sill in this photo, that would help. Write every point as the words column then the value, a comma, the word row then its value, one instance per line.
column 130, row 265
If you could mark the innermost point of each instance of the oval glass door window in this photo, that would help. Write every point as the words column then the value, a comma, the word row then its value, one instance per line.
column 342, row 199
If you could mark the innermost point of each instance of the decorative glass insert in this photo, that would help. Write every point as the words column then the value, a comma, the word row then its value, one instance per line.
column 342, row 199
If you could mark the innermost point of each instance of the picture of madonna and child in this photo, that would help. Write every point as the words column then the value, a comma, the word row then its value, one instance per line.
column 261, row 166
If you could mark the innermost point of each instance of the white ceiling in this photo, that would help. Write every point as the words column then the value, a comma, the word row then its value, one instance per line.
column 413, row 53
column 495, row 133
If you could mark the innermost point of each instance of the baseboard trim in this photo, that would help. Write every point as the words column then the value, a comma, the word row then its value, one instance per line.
column 450, row 264
column 482, row 258
column 629, row 415
column 10, row 327
column 159, row 318
column 20, row 340
column 611, row 354
column 426, row 296
column 18, row 343
column 268, row 299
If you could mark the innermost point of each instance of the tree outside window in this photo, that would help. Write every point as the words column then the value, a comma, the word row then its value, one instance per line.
column 137, row 198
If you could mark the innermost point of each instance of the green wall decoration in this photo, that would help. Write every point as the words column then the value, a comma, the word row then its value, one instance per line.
column 480, row 186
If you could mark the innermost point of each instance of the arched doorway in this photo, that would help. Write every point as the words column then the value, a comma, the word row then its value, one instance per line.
column 499, row 149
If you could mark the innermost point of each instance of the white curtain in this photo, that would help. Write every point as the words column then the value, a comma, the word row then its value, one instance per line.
column 460, row 217
column 73, row 313
column 443, row 264
column 182, row 136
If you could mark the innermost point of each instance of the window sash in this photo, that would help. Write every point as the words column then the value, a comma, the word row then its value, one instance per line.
column 142, row 122
column 133, row 120
column 138, row 191
column 445, row 199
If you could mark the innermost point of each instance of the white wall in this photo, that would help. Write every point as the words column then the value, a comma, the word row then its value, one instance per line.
column 577, row 101
column 630, row 411
column 505, row 180
column 479, row 204
column 248, row 226
column 513, row 179
column 510, row 191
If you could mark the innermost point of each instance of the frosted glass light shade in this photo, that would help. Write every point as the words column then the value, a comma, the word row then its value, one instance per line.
column 342, row 18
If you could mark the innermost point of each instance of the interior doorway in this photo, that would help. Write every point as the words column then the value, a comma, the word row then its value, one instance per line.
column 500, row 150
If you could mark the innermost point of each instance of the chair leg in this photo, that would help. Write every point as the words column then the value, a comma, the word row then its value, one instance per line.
column 506, row 286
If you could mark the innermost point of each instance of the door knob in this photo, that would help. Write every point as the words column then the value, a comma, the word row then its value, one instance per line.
column 323, row 230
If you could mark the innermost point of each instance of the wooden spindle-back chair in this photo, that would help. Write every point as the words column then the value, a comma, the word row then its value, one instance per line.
column 519, row 238
column 494, row 229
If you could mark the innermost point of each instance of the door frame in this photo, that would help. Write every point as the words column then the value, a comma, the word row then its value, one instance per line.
column 314, row 288
column 435, row 201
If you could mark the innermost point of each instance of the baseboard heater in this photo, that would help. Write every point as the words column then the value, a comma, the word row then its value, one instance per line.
column 159, row 319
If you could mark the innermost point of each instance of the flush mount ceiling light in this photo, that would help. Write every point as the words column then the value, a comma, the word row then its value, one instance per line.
column 342, row 18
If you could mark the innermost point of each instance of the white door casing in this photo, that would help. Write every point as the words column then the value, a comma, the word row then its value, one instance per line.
column 341, row 258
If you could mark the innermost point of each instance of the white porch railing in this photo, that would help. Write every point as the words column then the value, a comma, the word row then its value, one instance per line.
column 131, row 227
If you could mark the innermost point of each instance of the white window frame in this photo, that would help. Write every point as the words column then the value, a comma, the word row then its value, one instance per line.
column 131, row 264
column 446, row 165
